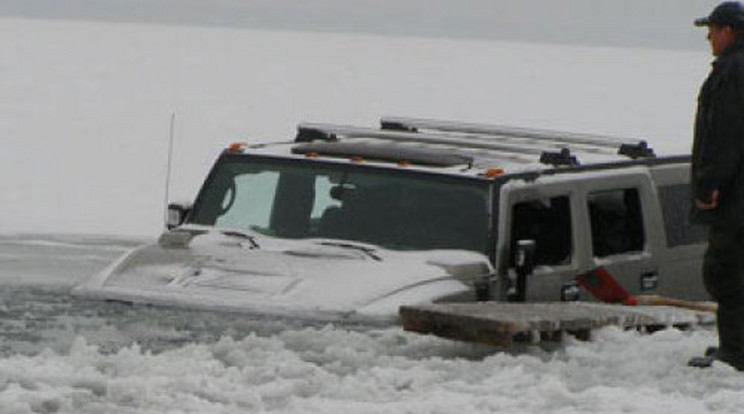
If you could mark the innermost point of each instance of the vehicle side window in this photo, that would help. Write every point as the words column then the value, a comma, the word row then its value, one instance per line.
column 616, row 222
column 675, row 206
column 548, row 223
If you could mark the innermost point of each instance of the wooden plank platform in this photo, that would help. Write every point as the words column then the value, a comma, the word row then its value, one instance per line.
column 501, row 324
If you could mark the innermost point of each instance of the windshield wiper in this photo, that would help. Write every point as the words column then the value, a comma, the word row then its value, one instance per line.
column 364, row 249
column 236, row 233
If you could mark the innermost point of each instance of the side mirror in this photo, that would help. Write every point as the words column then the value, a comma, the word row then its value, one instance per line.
column 524, row 264
column 524, row 259
column 177, row 213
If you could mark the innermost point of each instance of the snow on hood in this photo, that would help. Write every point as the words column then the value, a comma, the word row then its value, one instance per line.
column 246, row 272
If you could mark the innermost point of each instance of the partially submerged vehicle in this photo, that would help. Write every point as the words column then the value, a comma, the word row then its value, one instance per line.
column 348, row 223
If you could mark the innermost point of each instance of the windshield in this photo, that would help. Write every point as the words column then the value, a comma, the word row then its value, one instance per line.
column 409, row 211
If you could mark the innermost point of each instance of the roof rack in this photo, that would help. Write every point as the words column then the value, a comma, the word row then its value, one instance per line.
column 633, row 148
column 308, row 132
column 428, row 157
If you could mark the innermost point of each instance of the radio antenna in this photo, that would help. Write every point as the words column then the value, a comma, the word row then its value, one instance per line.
column 168, row 169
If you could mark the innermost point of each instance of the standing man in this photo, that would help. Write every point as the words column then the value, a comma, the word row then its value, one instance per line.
column 717, row 179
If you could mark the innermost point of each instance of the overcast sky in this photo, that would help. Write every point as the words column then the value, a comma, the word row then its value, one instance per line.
column 636, row 23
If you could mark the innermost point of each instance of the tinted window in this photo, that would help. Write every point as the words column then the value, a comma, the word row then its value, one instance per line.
column 675, row 205
column 548, row 223
column 616, row 222
column 313, row 200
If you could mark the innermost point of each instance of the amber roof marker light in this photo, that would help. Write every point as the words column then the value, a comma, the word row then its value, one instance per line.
column 494, row 172
column 236, row 147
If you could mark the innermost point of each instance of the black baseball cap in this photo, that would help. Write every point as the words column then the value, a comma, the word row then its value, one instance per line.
column 728, row 13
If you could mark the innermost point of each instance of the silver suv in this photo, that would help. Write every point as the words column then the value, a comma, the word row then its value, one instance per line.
column 349, row 221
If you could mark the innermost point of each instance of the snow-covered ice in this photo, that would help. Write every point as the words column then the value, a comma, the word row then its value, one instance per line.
column 85, row 112
column 92, row 358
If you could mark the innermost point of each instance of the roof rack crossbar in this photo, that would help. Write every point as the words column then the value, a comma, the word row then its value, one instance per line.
column 332, row 132
column 419, row 124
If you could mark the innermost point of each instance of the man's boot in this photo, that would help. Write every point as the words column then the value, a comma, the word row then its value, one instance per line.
column 706, row 361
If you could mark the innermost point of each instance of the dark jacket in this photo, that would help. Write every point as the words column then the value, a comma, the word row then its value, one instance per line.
column 718, row 146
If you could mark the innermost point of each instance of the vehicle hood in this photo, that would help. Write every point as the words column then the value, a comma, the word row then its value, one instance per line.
column 315, row 278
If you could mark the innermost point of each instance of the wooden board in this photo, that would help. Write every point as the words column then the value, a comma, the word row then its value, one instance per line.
column 501, row 324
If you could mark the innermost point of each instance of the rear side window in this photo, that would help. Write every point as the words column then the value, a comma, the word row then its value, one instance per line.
column 675, row 206
column 616, row 222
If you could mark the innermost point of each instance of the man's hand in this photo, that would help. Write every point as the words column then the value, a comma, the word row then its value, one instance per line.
column 702, row 205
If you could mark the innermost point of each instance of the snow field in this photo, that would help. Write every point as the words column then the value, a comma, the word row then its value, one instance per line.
column 328, row 370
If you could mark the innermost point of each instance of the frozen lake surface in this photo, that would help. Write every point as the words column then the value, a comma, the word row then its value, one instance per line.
column 61, row 354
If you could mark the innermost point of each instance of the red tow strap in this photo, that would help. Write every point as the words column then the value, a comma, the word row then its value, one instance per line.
column 600, row 283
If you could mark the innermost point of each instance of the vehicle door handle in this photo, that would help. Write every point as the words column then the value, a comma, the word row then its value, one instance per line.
column 649, row 280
